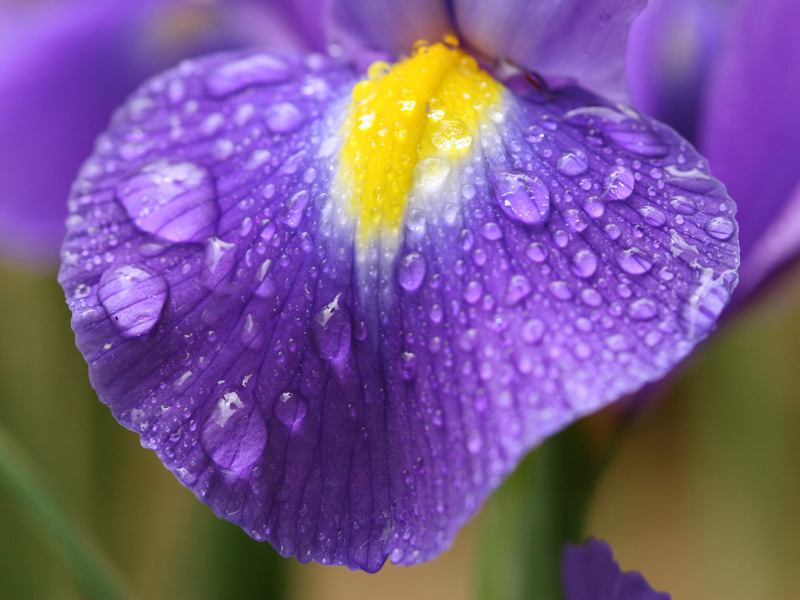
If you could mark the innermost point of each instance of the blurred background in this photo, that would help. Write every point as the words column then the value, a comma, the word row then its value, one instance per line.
column 701, row 495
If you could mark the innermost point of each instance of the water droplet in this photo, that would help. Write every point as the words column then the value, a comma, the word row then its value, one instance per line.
column 411, row 272
column 518, row 288
column 284, row 117
column 636, row 136
column 533, row 331
column 612, row 231
column 591, row 297
column 619, row 183
column 721, row 228
column 522, row 195
column 573, row 163
column 330, row 330
column 292, row 213
column 560, row 290
column 652, row 216
column 408, row 365
column 536, row 252
column 234, row 433
column 692, row 180
column 474, row 442
column 491, row 231
column 133, row 298
column 594, row 207
column 575, row 220
column 176, row 201
column 218, row 262
column 291, row 408
column 451, row 135
column 584, row 263
column 633, row 261
column 473, row 291
column 642, row 309
column 260, row 69
column 683, row 205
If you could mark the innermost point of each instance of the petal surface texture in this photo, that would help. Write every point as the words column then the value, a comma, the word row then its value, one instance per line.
column 566, row 38
column 752, row 123
column 343, row 342
column 590, row 572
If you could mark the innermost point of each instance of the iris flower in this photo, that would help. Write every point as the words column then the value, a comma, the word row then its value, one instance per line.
column 342, row 305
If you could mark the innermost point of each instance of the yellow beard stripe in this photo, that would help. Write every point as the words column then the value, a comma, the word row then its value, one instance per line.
column 407, row 124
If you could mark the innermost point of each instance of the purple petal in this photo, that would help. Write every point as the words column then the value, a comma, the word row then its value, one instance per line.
column 64, row 67
column 565, row 38
column 590, row 572
column 672, row 47
column 752, row 125
column 387, row 24
column 350, row 404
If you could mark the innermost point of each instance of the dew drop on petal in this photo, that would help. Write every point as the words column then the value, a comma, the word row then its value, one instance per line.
column 175, row 200
column 533, row 331
column 234, row 433
column 292, row 213
column 133, row 298
column 284, row 118
column 652, row 216
column 683, row 205
column 536, row 251
column 218, row 262
column 573, row 163
column 633, row 262
column 584, row 263
column 619, row 183
column 411, row 271
column 291, row 408
column 260, row 69
column 642, row 309
column 593, row 207
column 522, row 195
column 331, row 331
column 518, row 288
column 721, row 228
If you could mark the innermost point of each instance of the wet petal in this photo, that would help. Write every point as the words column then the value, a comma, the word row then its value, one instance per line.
column 752, row 126
column 386, row 24
column 350, row 381
column 565, row 38
column 589, row 572
column 64, row 67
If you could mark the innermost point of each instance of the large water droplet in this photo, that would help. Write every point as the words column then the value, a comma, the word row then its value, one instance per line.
column 133, row 298
column 218, row 262
column 174, row 200
column 234, row 433
column 291, row 408
column 522, row 195
column 261, row 69
column 331, row 330
column 619, row 183
column 451, row 135
column 284, row 117
column 721, row 228
column 411, row 271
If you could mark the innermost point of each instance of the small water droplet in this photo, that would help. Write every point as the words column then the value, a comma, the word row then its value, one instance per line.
column 451, row 134
column 591, row 297
column 408, row 365
column 291, row 408
column 430, row 173
column 218, row 262
column 260, row 69
column 642, row 309
column 292, row 213
column 491, row 231
column 133, row 298
column 533, row 331
column 284, row 117
column 560, row 290
column 619, row 183
column 721, row 228
column 573, row 163
column 536, row 252
column 522, row 195
column 584, row 263
column 683, row 205
column 594, row 207
column 176, row 201
column 633, row 261
column 411, row 272
column 473, row 292
column 652, row 216
column 518, row 288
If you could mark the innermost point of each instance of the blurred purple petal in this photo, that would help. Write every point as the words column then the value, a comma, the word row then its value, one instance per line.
column 64, row 67
column 566, row 38
column 752, row 120
column 349, row 407
column 589, row 572
column 672, row 47
column 387, row 24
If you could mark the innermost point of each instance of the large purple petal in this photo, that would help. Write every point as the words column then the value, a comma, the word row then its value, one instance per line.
column 387, row 24
column 65, row 66
column 565, row 38
column 589, row 572
column 348, row 405
column 672, row 47
column 752, row 118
